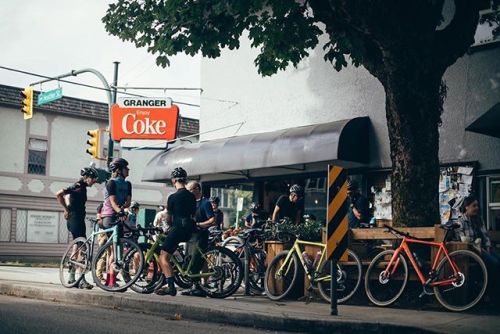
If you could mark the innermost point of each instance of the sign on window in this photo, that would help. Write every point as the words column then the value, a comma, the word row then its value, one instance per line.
column 42, row 227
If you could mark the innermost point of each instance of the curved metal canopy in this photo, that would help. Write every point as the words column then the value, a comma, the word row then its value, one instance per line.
column 341, row 140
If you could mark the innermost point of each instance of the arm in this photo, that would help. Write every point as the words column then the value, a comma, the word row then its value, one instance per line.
column 209, row 212
column 298, row 216
column 275, row 213
column 60, row 198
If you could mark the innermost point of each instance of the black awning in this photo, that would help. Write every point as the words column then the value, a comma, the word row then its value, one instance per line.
column 488, row 123
column 345, row 140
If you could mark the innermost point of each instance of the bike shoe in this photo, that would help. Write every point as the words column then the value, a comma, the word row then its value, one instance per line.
column 167, row 290
column 85, row 285
column 196, row 292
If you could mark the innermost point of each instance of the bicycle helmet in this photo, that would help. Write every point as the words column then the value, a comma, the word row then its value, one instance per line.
column 215, row 199
column 118, row 163
column 255, row 207
column 89, row 171
column 297, row 190
column 178, row 174
column 352, row 185
column 134, row 204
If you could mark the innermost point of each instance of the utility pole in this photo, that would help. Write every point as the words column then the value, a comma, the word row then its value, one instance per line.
column 113, row 101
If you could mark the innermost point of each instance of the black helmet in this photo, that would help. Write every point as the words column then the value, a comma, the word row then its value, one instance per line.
column 297, row 190
column 134, row 204
column 89, row 171
column 255, row 207
column 178, row 174
column 352, row 185
column 118, row 163
column 215, row 199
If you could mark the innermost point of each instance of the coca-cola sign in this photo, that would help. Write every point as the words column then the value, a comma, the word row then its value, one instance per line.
column 144, row 119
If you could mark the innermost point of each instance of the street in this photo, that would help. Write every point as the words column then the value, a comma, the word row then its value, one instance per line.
column 19, row 316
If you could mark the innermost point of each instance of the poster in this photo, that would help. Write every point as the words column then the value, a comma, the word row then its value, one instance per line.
column 42, row 226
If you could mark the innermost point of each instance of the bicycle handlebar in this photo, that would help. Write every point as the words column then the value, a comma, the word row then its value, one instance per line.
column 394, row 231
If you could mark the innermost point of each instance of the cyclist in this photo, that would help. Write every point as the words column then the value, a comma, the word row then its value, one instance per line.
column 74, row 212
column 288, row 206
column 117, row 196
column 132, row 212
column 257, row 217
column 160, row 217
column 219, row 215
column 204, row 218
column 359, row 208
column 181, row 207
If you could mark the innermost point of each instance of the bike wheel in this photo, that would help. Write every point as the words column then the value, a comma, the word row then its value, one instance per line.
column 257, row 271
column 151, row 276
column 385, row 285
column 470, row 285
column 124, row 272
column 74, row 263
column 280, row 281
column 233, row 243
column 227, row 269
column 348, row 278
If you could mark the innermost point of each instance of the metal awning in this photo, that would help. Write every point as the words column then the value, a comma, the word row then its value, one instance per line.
column 345, row 140
column 488, row 123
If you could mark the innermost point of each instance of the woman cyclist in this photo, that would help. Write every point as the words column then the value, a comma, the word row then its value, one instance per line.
column 74, row 212
column 117, row 197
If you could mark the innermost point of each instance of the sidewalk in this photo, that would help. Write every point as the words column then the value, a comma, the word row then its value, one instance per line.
column 260, row 312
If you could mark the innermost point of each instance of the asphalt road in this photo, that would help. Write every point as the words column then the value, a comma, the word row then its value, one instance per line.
column 23, row 316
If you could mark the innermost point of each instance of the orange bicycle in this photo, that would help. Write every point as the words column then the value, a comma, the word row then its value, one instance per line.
column 457, row 279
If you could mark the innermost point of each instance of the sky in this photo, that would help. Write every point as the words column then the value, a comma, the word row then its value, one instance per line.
column 53, row 37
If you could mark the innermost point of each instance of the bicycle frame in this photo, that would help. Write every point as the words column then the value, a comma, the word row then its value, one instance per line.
column 394, row 262
column 297, row 250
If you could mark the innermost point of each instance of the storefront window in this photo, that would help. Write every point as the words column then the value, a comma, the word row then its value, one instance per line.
column 229, row 195
column 494, row 204
column 315, row 198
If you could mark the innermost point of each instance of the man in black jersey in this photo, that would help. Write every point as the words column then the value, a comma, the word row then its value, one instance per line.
column 181, row 207
column 288, row 206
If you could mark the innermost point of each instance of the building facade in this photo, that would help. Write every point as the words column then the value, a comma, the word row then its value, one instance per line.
column 246, row 142
column 45, row 154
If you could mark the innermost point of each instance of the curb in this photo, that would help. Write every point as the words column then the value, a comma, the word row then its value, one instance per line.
column 282, row 322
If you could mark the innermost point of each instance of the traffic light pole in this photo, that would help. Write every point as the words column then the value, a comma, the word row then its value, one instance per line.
column 111, row 94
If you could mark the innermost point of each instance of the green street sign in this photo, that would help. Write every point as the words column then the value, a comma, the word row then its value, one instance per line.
column 51, row 95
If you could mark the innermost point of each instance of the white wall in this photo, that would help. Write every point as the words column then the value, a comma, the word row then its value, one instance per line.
column 12, row 139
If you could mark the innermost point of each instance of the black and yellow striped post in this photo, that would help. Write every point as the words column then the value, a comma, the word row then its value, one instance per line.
column 337, row 225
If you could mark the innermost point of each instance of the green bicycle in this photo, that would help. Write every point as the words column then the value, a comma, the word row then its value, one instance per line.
column 281, row 275
column 220, row 276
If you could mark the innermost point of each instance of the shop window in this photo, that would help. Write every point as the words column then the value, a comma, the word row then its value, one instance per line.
column 22, row 217
column 315, row 198
column 37, row 156
column 229, row 195
column 5, row 222
column 493, row 218
column 63, row 230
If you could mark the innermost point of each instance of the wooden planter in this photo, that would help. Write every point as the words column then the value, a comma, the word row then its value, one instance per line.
column 273, row 248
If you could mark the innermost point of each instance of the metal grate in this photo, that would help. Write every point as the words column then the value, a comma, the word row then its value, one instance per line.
column 5, row 222
column 22, row 217
column 63, row 230
column 36, row 162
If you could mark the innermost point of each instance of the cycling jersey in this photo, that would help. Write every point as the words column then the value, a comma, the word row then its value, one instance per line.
column 121, row 189
column 76, row 209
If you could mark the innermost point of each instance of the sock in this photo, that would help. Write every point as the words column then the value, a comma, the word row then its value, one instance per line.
column 170, row 281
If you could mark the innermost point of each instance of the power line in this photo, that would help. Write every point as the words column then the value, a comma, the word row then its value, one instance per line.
column 84, row 85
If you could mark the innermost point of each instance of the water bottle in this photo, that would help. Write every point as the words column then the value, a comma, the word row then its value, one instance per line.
column 316, row 259
column 307, row 261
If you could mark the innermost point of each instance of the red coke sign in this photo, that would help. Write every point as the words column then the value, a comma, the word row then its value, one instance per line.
column 144, row 118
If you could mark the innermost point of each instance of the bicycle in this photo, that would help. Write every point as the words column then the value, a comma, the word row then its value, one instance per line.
column 282, row 273
column 220, row 276
column 79, row 259
column 458, row 281
column 253, row 257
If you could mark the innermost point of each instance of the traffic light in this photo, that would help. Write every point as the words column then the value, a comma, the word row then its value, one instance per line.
column 94, row 142
column 27, row 108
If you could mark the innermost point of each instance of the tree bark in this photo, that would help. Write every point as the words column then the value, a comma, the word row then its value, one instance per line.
column 413, row 111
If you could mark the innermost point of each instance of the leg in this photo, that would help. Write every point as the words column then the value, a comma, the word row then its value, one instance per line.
column 169, row 246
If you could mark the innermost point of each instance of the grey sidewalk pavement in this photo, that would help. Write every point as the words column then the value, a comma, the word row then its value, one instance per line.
column 260, row 312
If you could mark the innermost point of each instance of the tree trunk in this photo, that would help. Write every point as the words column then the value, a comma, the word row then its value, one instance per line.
column 413, row 110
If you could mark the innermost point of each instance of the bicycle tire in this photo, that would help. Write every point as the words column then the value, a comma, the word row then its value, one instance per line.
column 128, row 275
column 257, row 272
column 277, row 292
column 65, row 268
column 374, row 274
column 343, row 293
column 473, row 274
column 224, row 270
column 151, row 277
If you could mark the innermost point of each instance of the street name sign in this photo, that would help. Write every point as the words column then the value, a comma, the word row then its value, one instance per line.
column 49, row 96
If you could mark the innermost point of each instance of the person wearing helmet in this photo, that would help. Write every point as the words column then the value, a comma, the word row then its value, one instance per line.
column 289, row 206
column 181, row 208
column 257, row 216
column 219, row 215
column 132, row 212
column 359, row 209
column 74, row 210
column 117, row 194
